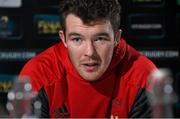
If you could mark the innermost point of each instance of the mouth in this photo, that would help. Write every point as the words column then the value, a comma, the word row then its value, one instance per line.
column 90, row 67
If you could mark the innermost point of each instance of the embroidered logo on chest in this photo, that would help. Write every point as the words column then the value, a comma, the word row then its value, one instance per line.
column 61, row 112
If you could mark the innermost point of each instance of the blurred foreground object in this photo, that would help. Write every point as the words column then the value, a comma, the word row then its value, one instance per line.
column 162, row 95
column 20, row 99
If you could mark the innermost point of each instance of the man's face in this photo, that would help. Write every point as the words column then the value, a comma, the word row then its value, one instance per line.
column 90, row 47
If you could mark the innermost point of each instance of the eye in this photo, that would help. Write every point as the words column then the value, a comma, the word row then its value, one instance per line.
column 101, row 39
column 77, row 40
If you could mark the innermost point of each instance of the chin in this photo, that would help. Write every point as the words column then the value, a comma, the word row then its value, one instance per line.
column 90, row 78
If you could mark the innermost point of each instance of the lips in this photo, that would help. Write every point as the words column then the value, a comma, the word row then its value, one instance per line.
column 90, row 67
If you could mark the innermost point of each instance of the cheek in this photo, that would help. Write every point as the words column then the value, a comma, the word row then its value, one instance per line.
column 74, row 55
column 107, row 53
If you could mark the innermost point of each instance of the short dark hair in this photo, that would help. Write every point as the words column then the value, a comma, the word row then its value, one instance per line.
column 91, row 10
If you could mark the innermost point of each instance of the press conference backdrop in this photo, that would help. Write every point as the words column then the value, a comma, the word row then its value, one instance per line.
column 27, row 27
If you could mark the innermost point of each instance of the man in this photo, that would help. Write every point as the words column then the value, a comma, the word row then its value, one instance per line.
column 92, row 72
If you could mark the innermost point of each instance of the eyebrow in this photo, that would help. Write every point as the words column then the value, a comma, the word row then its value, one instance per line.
column 74, row 34
column 98, row 34
column 102, row 34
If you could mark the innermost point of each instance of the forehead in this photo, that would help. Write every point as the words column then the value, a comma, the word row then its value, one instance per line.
column 74, row 23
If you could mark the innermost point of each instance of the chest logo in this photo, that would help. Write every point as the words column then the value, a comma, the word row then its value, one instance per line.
column 61, row 112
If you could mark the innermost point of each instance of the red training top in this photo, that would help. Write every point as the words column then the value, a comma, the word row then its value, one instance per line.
column 112, row 95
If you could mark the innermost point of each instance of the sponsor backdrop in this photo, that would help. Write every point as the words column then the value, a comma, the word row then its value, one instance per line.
column 27, row 27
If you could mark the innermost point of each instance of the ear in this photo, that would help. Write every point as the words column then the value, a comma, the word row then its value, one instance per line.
column 62, row 37
column 117, row 36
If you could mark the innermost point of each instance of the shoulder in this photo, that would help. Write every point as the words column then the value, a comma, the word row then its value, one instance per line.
column 45, row 60
column 51, row 54
column 140, row 71
column 44, row 68
column 137, row 67
column 144, row 64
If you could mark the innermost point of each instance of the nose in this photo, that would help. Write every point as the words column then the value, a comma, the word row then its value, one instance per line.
column 90, row 49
